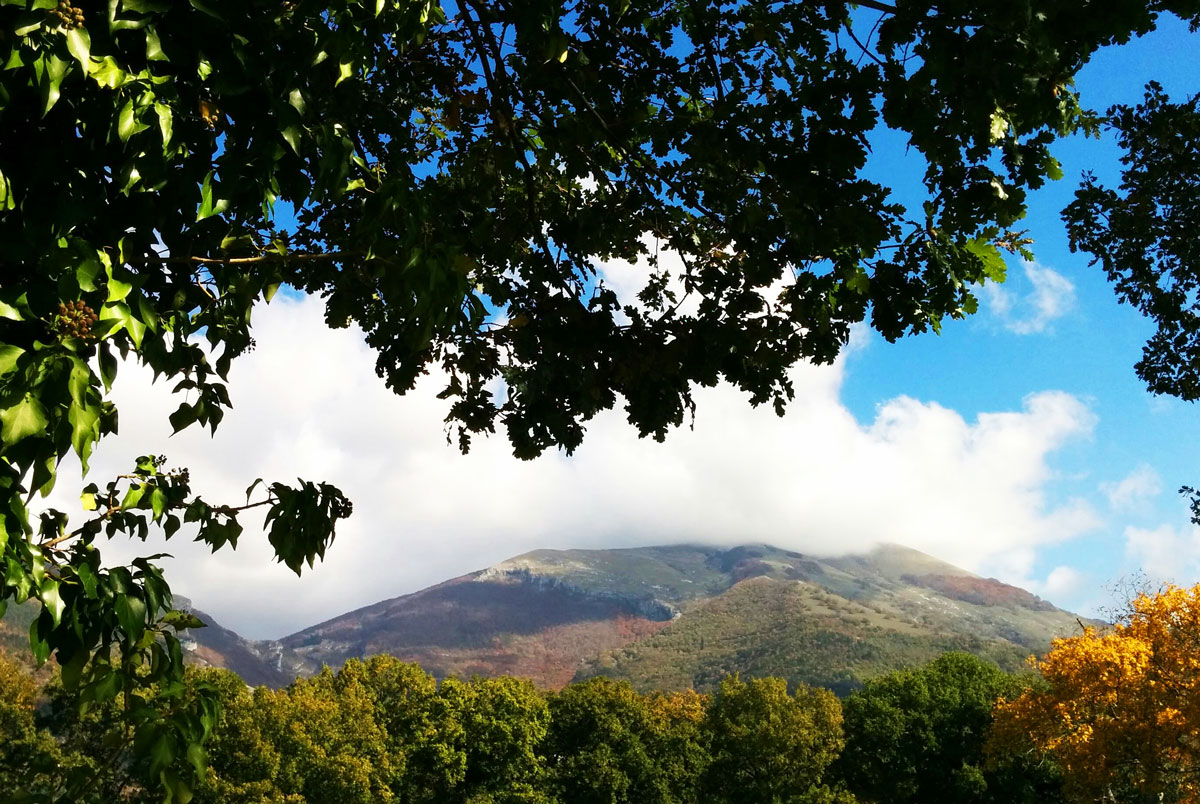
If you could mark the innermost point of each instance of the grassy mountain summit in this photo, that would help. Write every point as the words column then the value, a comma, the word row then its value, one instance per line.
column 666, row 617
column 679, row 616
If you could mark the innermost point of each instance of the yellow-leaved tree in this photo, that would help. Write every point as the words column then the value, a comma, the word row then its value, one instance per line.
column 1119, row 710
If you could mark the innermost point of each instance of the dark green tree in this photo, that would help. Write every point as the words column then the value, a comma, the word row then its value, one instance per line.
column 600, row 746
column 917, row 736
column 772, row 747
column 1140, row 235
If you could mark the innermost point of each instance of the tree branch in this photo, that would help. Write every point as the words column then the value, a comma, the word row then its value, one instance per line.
column 262, row 258
column 876, row 6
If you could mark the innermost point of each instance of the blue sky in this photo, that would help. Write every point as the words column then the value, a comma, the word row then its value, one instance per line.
column 1018, row 444
column 1088, row 351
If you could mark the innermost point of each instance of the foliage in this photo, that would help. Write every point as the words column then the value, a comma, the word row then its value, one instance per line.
column 30, row 758
column 449, row 165
column 769, row 747
column 917, row 736
column 800, row 632
column 1120, row 711
column 606, row 745
column 1140, row 236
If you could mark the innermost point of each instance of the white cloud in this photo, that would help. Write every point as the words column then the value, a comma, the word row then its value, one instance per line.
column 307, row 403
column 1166, row 553
column 1134, row 490
column 1062, row 583
column 1051, row 296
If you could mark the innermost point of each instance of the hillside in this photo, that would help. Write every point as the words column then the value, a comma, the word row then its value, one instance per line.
column 680, row 616
column 661, row 617
column 212, row 646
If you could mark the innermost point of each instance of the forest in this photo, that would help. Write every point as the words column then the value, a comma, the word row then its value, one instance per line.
column 1103, row 717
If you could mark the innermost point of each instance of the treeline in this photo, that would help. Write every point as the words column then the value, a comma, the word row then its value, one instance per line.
column 1109, row 716
column 382, row 730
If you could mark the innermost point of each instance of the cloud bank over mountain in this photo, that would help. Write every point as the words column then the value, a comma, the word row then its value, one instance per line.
column 307, row 403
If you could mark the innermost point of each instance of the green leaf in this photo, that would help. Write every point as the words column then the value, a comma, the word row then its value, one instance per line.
column 52, row 600
column 291, row 135
column 178, row 791
column 131, row 613
column 80, row 45
column 16, row 578
column 124, row 317
column 38, row 642
column 165, row 121
column 85, row 430
column 9, row 355
column 88, row 500
column 51, row 81
column 860, row 283
column 7, row 199
column 108, row 366
column 345, row 70
column 72, row 670
column 296, row 99
column 237, row 242
column 106, row 73
column 22, row 420
column 208, row 207
column 117, row 289
column 88, row 579
column 198, row 757
column 79, row 381
column 994, row 267
column 182, row 418
column 154, row 51
column 183, row 619
column 158, row 502
column 126, row 122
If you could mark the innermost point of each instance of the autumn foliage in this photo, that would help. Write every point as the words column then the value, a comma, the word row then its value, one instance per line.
column 1119, row 710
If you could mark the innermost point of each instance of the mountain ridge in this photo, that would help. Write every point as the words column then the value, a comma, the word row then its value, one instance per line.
column 668, row 617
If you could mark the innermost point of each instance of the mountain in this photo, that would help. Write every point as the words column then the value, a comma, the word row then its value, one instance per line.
column 680, row 616
column 258, row 663
column 661, row 617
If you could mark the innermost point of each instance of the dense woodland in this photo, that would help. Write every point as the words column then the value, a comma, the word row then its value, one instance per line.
column 381, row 731
column 1106, row 717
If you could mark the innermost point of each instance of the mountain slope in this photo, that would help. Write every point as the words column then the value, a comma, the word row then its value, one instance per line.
column 258, row 663
column 680, row 616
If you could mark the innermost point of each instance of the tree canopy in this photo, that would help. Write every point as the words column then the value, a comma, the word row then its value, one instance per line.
column 1119, row 711
column 456, row 174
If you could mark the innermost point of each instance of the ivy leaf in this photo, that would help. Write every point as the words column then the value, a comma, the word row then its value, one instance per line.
column 106, row 73
column 22, row 420
column 9, row 355
column 131, row 613
column 52, row 600
column 165, row 121
column 208, row 207
column 182, row 619
column 79, row 42
column 7, row 200
column 85, row 431
column 126, row 124
column 72, row 669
